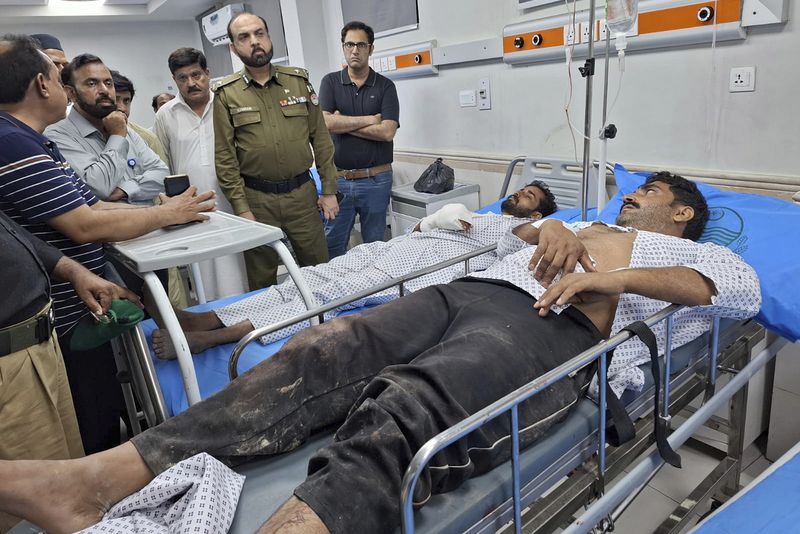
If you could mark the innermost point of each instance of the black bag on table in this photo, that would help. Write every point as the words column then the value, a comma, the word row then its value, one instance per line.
column 437, row 178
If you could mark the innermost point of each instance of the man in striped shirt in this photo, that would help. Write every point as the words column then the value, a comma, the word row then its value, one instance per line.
column 40, row 191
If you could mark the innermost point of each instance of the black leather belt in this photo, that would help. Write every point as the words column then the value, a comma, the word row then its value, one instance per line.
column 28, row 333
column 268, row 186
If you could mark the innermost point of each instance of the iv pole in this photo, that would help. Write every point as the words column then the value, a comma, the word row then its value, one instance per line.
column 607, row 132
column 587, row 71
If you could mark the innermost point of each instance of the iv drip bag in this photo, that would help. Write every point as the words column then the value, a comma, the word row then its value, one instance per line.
column 620, row 18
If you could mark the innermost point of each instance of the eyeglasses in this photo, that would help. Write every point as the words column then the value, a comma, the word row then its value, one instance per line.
column 361, row 46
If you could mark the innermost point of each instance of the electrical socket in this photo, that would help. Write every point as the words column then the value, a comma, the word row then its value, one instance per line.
column 585, row 32
column 743, row 79
column 569, row 34
column 602, row 30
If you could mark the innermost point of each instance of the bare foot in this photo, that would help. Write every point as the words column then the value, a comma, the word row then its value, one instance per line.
column 198, row 342
column 70, row 495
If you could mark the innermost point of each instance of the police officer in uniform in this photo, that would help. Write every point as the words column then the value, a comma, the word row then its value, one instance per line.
column 265, row 118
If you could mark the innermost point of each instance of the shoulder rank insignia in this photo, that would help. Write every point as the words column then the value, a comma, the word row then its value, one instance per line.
column 292, row 71
column 227, row 80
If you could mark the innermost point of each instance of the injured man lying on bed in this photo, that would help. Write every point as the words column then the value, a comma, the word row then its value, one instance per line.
column 448, row 233
column 396, row 375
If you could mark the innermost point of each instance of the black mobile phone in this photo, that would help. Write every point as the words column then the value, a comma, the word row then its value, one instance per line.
column 176, row 184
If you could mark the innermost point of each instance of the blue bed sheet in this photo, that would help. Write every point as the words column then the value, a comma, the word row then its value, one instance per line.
column 769, row 506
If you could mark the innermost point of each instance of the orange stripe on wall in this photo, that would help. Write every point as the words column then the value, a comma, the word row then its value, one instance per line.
column 551, row 37
column 674, row 18
column 407, row 60
column 679, row 18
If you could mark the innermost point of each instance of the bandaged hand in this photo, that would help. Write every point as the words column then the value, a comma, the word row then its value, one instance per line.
column 449, row 217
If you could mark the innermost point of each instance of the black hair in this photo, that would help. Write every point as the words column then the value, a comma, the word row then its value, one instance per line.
column 122, row 83
column 230, row 34
column 547, row 205
column 358, row 25
column 685, row 193
column 154, row 102
column 183, row 57
column 68, row 74
column 21, row 60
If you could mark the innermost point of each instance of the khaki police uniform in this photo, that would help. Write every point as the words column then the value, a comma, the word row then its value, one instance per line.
column 263, row 138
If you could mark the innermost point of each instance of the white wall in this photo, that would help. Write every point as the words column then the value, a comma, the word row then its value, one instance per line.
column 139, row 50
column 304, row 23
column 674, row 108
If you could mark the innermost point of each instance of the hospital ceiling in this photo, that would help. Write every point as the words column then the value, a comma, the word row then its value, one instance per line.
column 61, row 11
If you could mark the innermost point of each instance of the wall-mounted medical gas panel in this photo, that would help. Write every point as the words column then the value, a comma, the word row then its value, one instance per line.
column 661, row 24
column 405, row 62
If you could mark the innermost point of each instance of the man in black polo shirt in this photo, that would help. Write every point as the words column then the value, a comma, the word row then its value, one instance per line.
column 362, row 114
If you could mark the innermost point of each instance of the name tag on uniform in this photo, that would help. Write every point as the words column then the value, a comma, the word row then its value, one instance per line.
column 234, row 111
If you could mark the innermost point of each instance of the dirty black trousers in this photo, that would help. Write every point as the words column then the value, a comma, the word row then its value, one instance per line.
column 397, row 375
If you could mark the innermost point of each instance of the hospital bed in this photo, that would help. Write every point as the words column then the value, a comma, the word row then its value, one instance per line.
column 162, row 383
column 568, row 457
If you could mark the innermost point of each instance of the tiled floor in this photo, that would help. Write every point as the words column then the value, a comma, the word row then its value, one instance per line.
column 671, row 485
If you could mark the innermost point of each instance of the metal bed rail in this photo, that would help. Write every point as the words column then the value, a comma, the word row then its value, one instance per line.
column 332, row 305
column 509, row 403
column 546, row 168
column 616, row 499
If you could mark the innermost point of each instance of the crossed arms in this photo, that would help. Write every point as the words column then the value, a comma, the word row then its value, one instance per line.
column 372, row 127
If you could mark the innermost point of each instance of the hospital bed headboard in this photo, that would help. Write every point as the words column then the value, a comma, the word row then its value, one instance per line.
column 561, row 175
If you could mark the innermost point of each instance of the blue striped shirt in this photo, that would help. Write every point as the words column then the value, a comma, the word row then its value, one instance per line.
column 36, row 185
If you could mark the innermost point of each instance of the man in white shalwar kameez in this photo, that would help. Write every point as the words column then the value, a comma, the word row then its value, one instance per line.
column 448, row 233
column 185, row 127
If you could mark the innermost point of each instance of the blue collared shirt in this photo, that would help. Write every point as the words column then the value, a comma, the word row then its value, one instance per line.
column 106, row 164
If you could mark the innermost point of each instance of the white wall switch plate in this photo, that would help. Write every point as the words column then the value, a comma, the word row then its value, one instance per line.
column 466, row 98
column 484, row 94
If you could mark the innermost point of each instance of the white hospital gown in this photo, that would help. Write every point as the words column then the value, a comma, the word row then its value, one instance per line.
column 197, row 495
column 369, row 264
column 738, row 293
